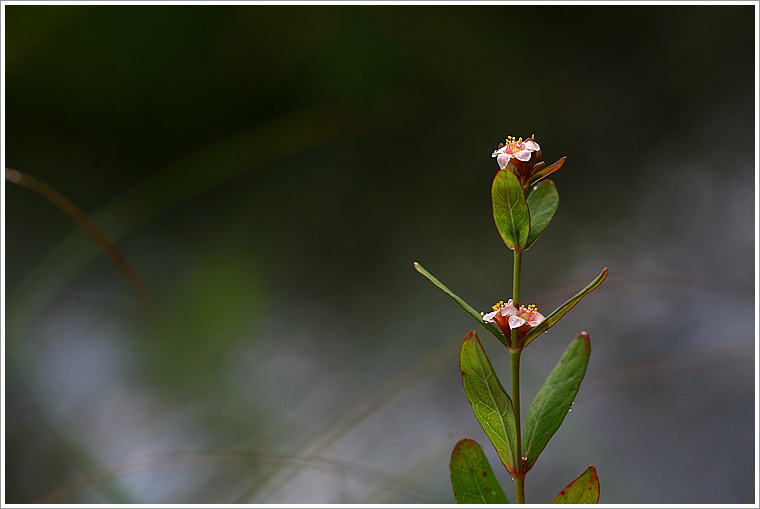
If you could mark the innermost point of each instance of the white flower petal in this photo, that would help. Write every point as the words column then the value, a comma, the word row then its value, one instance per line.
column 489, row 316
column 503, row 160
column 515, row 322
column 535, row 321
column 532, row 145
column 509, row 309
column 523, row 155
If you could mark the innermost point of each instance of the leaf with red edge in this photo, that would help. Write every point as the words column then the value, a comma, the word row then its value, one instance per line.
column 545, row 172
column 584, row 489
column 550, row 406
column 542, row 201
column 490, row 402
column 562, row 310
column 510, row 212
column 471, row 476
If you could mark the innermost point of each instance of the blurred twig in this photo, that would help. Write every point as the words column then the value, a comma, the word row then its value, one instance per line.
column 219, row 161
column 75, row 213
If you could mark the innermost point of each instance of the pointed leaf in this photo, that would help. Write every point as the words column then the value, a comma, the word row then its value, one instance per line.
column 583, row 490
column 510, row 212
column 545, row 172
column 562, row 310
column 492, row 328
column 542, row 202
column 489, row 400
column 471, row 476
column 551, row 404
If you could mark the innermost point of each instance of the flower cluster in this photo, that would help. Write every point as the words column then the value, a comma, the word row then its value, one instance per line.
column 507, row 317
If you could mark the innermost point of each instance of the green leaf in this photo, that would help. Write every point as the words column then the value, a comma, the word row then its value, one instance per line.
column 544, row 172
column 489, row 400
column 492, row 328
column 542, row 201
column 551, row 404
column 584, row 489
column 510, row 212
column 471, row 476
column 562, row 310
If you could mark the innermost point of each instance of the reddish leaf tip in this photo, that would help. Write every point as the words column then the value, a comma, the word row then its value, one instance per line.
column 464, row 442
column 574, row 492
column 586, row 340
column 470, row 335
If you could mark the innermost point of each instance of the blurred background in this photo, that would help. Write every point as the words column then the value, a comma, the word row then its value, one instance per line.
column 272, row 172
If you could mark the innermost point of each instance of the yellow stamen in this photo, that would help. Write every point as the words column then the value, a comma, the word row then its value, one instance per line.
column 513, row 144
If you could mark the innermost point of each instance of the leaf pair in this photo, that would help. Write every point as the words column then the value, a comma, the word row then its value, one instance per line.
column 474, row 482
column 532, row 334
column 519, row 221
column 493, row 406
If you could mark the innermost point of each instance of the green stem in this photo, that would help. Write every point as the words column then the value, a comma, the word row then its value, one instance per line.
column 519, row 475
column 516, row 279
column 514, row 363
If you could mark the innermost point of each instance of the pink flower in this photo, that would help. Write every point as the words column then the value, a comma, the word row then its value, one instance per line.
column 517, row 149
column 508, row 317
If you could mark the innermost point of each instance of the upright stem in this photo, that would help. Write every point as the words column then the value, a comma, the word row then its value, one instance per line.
column 516, row 279
column 519, row 475
column 514, row 363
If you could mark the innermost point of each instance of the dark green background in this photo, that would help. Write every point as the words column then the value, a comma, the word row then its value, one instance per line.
column 273, row 171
